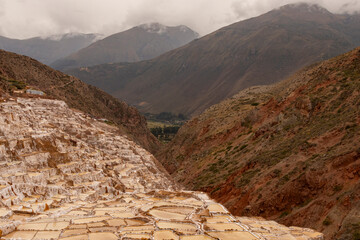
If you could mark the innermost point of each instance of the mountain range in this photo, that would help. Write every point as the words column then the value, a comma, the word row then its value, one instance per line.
column 274, row 129
column 136, row 44
column 288, row 152
column 260, row 50
column 48, row 49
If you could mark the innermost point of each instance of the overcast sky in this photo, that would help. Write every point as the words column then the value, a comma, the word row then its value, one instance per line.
column 29, row 18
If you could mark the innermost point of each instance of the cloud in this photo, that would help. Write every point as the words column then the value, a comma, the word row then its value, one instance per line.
column 350, row 7
column 28, row 18
column 246, row 9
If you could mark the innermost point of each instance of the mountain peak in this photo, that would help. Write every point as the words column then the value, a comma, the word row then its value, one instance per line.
column 159, row 28
column 304, row 7
column 154, row 27
column 305, row 12
column 139, row 43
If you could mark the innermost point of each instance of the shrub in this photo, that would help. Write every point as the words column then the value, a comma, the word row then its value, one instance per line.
column 284, row 214
column 246, row 178
column 243, row 146
column 277, row 172
column 337, row 188
column 327, row 221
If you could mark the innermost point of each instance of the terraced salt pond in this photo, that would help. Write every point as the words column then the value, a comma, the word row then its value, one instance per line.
column 64, row 175
column 163, row 214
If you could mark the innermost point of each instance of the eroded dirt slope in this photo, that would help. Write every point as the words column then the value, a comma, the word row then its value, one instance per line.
column 289, row 152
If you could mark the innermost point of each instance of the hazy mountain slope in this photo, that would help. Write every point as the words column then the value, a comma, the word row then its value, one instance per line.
column 289, row 152
column 260, row 50
column 47, row 50
column 139, row 43
column 20, row 70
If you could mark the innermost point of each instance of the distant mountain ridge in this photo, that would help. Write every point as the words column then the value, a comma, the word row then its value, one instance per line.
column 48, row 49
column 136, row 44
column 260, row 50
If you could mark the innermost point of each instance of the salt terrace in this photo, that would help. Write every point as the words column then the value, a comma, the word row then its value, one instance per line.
column 64, row 175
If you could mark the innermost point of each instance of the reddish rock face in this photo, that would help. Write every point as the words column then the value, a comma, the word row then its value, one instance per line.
column 288, row 152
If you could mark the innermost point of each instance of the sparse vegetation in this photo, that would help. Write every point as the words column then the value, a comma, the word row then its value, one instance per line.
column 356, row 235
column 277, row 172
column 284, row 179
column 215, row 189
column 327, row 221
column 284, row 214
column 109, row 122
column 337, row 188
column 297, row 142
column 306, row 202
column 246, row 177
column 243, row 147
column 19, row 85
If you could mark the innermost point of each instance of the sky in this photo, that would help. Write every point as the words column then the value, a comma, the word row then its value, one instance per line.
column 29, row 18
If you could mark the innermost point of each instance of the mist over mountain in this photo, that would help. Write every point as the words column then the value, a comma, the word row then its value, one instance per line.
column 48, row 49
column 136, row 44
column 260, row 50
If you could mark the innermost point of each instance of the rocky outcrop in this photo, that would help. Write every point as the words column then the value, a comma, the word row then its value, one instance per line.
column 65, row 175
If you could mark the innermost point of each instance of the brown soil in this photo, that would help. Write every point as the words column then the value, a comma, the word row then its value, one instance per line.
column 289, row 152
